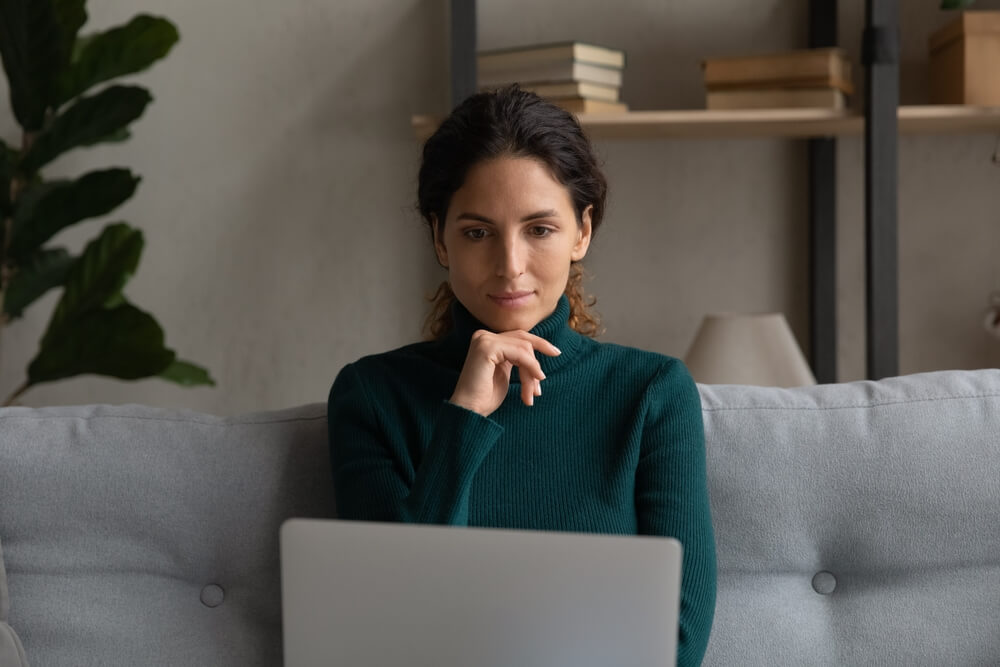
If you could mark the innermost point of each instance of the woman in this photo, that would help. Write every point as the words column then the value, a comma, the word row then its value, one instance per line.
column 457, row 430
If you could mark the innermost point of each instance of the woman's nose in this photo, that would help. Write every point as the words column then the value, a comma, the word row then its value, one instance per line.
column 510, row 262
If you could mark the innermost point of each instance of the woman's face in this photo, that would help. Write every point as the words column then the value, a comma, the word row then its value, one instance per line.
column 508, row 240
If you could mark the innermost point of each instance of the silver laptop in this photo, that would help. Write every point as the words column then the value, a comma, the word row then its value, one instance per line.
column 362, row 594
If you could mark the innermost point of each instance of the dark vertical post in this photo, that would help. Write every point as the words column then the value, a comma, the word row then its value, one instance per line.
column 463, row 49
column 881, row 58
column 823, row 219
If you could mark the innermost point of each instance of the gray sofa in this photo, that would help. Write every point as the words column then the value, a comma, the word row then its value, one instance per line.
column 857, row 524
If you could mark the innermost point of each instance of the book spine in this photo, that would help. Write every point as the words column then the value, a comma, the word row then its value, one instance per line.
column 804, row 67
column 563, row 72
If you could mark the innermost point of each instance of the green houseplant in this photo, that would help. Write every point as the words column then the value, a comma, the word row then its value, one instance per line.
column 49, row 67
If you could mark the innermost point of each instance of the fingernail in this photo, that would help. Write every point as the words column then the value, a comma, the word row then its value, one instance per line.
column 558, row 351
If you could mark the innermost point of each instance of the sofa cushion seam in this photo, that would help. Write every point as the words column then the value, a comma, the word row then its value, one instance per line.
column 850, row 405
column 220, row 422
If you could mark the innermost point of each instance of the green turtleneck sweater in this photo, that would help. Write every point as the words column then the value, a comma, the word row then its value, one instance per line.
column 615, row 444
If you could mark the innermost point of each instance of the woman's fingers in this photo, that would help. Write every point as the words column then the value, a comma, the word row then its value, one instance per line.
column 479, row 387
column 522, row 354
column 529, row 370
column 527, row 393
column 520, row 351
column 530, row 389
column 537, row 343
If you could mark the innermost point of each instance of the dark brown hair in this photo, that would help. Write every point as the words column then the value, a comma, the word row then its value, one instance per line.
column 515, row 123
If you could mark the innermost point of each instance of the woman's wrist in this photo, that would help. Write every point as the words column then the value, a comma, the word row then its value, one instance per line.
column 468, row 405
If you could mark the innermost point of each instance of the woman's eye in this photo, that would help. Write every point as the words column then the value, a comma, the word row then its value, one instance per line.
column 475, row 234
column 540, row 232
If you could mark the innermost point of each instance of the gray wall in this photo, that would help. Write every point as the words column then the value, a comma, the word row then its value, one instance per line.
column 279, row 175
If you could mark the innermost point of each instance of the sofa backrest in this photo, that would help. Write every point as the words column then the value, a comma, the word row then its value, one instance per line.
column 857, row 524
column 141, row 536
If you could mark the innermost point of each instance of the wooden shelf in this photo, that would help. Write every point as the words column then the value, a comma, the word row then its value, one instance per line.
column 699, row 123
column 949, row 119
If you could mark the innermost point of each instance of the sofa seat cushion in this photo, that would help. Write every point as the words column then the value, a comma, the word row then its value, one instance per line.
column 856, row 523
column 142, row 536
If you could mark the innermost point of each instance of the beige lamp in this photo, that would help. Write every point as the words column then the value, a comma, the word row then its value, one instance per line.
column 754, row 348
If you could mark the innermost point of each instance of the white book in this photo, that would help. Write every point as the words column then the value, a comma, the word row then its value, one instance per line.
column 553, row 72
column 526, row 56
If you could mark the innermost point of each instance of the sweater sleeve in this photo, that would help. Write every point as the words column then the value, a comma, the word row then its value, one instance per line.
column 374, row 479
column 672, row 499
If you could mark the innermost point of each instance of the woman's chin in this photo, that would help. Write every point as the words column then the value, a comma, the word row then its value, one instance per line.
column 507, row 321
column 502, row 316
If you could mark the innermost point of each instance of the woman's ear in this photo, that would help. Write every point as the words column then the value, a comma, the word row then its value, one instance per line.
column 439, row 248
column 583, row 233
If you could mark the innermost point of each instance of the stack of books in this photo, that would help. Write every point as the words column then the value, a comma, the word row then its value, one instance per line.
column 815, row 78
column 581, row 78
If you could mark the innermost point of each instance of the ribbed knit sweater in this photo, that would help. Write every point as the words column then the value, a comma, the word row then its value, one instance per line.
column 615, row 445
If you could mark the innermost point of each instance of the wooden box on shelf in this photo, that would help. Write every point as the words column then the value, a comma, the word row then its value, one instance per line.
column 964, row 60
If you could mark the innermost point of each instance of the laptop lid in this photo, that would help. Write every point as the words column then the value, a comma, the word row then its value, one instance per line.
column 363, row 594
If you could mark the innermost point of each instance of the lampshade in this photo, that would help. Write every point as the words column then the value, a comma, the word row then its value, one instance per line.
column 754, row 348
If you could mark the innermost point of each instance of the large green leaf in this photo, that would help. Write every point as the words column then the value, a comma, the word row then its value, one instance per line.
column 45, row 270
column 122, row 342
column 31, row 47
column 98, row 277
column 187, row 374
column 45, row 209
column 117, row 52
column 117, row 137
column 70, row 16
column 88, row 121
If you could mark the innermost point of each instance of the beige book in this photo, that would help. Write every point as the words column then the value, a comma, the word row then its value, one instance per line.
column 776, row 98
column 528, row 56
column 580, row 105
column 551, row 72
column 560, row 89
column 826, row 67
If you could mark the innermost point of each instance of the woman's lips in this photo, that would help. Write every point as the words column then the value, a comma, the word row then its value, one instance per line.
column 510, row 299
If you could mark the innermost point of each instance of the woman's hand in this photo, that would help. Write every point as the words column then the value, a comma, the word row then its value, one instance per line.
column 485, row 377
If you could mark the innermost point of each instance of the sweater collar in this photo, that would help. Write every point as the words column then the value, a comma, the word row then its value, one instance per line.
column 554, row 328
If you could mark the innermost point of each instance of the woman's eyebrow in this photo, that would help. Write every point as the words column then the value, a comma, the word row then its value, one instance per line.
column 550, row 213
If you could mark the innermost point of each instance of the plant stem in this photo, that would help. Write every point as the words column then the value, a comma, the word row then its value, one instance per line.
column 17, row 184
column 8, row 225
column 17, row 393
column 3, row 323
